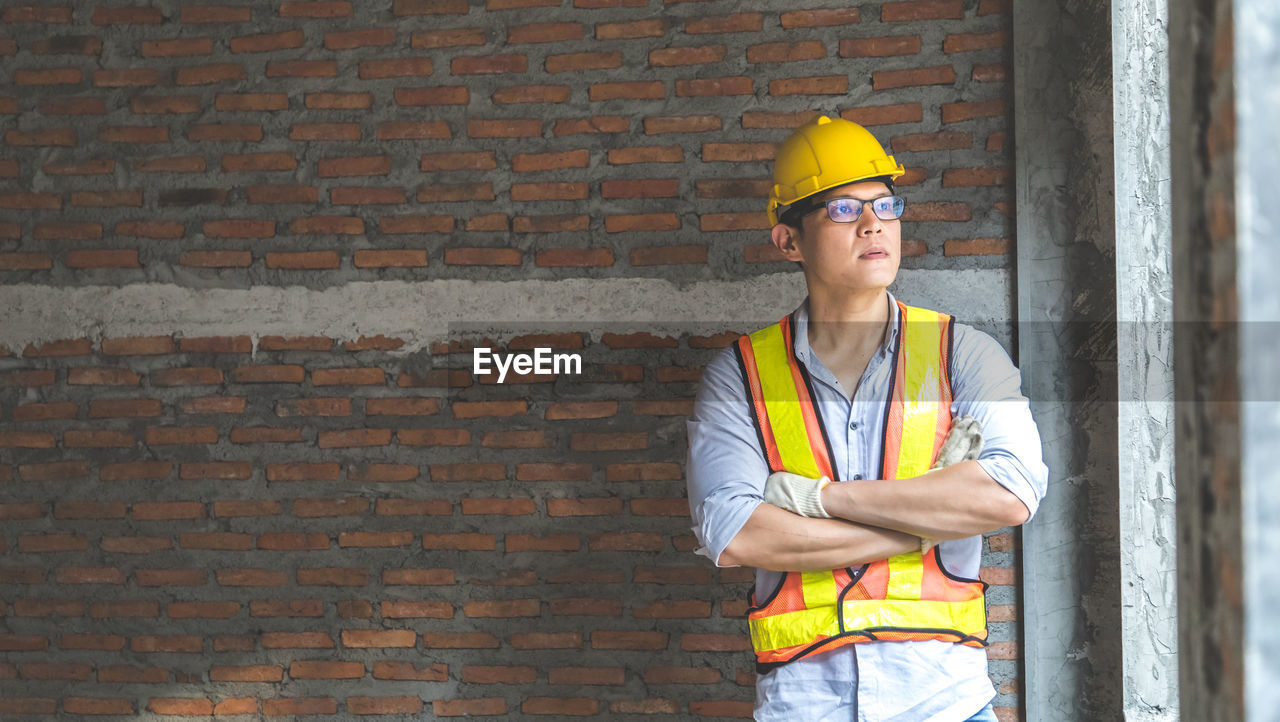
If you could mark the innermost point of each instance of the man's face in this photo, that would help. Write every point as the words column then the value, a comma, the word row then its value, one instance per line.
column 863, row 254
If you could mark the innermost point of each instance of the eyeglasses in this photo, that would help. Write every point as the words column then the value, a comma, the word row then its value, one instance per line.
column 849, row 210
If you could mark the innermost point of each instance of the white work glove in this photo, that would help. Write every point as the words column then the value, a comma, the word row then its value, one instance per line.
column 963, row 443
column 797, row 494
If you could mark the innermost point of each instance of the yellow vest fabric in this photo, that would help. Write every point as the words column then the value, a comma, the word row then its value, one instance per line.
column 904, row 598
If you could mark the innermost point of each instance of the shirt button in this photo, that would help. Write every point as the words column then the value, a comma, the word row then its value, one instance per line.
column 857, row 477
column 854, row 425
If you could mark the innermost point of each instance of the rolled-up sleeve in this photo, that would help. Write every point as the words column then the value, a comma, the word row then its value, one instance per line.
column 987, row 386
column 726, row 468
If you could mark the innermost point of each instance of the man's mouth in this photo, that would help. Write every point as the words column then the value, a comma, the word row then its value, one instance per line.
column 874, row 254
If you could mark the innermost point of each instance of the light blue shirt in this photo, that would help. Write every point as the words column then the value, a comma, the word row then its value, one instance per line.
column 885, row 681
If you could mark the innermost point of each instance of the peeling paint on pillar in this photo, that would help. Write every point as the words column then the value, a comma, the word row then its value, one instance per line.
column 1144, row 311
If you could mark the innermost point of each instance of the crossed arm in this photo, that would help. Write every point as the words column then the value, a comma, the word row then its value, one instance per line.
column 875, row 520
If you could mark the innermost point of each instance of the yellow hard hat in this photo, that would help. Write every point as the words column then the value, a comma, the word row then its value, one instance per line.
column 825, row 153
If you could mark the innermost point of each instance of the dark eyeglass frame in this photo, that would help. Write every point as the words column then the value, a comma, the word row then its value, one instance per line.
column 796, row 213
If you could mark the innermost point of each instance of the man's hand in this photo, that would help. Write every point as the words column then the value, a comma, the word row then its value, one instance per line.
column 797, row 494
column 963, row 443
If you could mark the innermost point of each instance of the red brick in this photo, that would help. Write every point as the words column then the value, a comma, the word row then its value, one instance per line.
column 686, row 124
column 1002, row 650
column 498, row 507
column 819, row 18
column 480, row 160
column 567, row 471
column 505, row 609
column 584, row 507
column 215, row 14
column 435, row 95
column 922, row 10
column 668, row 255
column 548, row 191
column 885, row 114
column 464, row 541
column 741, row 22
column 429, row 7
column 562, row 706
column 560, row 224
column 447, row 38
column 36, row 14
column 645, row 188
column 581, row 410
column 993, row 73
column 626, row 541
column 822, row 85
column 529, row 128
column 102, row 258
column 880, row 47
column 468, row 707
column 483, row 256
column 975, row 247
column 489, row 64
column 532, row 94
column 572, row 62
column 703, row 87
column 401, row 258
column 623, row 90
column 647, row 154
column 366, row 38
column 653, row 28
column 697, row 55
column 126, row 16
column 786, row 52
column 547, row 543
column 45, row 411
column 966, row 42
column 735, row 222
column 544, row 33
column 267, row 42
column 724, row 708
column 643, row 222
column 737, row 152
column 888, row 79
column 592, row 125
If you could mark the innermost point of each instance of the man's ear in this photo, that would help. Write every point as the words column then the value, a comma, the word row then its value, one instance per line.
column 784, row 238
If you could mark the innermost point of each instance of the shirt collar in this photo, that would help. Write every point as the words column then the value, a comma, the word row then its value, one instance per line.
column 801, row 341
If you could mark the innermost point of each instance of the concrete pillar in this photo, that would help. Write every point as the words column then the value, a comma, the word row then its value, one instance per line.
column 1066, row 349
column 1144, row 360
column 1094, row 290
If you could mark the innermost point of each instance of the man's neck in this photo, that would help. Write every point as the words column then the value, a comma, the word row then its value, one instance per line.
column 848, row 322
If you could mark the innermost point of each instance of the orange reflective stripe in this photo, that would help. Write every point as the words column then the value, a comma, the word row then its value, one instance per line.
column 771, row 452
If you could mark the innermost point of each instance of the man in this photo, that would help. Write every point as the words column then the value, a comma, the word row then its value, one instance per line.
column 866, row 603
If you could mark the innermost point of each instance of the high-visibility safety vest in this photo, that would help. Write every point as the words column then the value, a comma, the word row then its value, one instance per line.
column 907, row 597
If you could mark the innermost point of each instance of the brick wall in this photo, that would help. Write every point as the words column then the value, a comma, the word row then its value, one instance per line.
column 327, row 526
